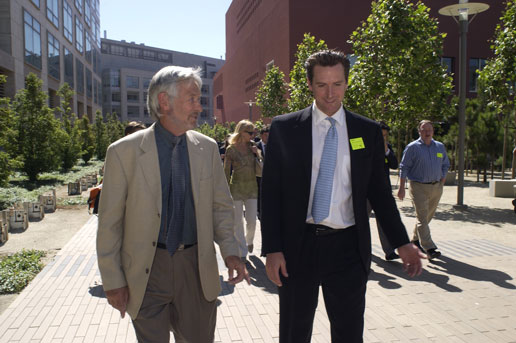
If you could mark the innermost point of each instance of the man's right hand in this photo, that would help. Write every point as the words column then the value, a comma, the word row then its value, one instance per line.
column 118, row 298
column 401, row 193
column 274, row 263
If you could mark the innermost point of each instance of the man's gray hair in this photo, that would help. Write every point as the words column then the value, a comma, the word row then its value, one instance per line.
column 166, row 80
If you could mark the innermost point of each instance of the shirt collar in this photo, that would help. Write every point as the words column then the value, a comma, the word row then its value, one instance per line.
column 168, row 137
column 319, row 115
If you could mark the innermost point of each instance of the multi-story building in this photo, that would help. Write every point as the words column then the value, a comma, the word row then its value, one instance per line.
column 266, row 32
column 127, row 69
column 59, row 41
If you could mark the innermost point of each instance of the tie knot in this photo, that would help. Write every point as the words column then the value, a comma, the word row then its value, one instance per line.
column 331, row 120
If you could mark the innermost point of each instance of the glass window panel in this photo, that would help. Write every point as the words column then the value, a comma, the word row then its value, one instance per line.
column 68, row 67
column 67, row 21
column 79, row 69
column 53, row 56
column 53, row 11
column 32, row 40
column 79, row 35
column 89, row 83
column 132, row 82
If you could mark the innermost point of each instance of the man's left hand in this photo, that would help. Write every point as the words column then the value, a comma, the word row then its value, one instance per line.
column 411, row 257
column 234, row 263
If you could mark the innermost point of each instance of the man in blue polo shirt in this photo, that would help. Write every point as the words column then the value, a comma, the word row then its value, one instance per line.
column 425, row 164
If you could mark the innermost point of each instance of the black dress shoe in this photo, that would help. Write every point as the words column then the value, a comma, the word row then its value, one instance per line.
column 391, row 256
column 433, row 253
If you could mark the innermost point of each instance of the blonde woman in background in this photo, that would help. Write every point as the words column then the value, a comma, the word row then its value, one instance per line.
column 242, row 163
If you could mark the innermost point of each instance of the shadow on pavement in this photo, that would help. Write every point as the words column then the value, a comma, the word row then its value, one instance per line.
column 472, row 214
column 443, row 264
column 97, row 291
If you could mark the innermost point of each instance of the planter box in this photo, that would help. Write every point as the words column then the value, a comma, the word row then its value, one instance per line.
column 502, row 188
column 49, row 202
column 34, row 210
column 74, row 188
column 450, row 178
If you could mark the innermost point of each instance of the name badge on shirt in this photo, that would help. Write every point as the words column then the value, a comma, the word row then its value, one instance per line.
column 357, row 143
column 440, row 155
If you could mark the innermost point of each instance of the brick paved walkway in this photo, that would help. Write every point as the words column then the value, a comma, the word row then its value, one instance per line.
column 469, row 295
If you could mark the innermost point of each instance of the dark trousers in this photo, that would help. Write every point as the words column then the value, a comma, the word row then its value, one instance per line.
column 333, row 262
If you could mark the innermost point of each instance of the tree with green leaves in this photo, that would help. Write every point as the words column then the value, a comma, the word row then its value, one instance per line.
column 398, row 77
column 37, row 143
column 115, row 128
column 270, row 97
column 300, row 94
column 497, row 81
column 218, row 132
column 69, row 135
column 101, row 136
column 6, row 136
column 86, row 139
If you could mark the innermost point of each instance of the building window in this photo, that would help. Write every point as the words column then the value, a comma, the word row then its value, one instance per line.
column 32, row 40
column 89, row 53
column 132, row 52
column 79, row 35
column 53, row 12
column 205, row 89
column 79, row 69
column 145, row 97
column 146, row 82
column 447, row 62
column 149, row 55
column 89, row 83
column 68, row 67
column 132, row 82
column 133, row 97
column 87, row 13
column 204, row 101
column 35, row 2
column 164, row 57
column 115, row 97
column 53, row 56
column 116, row 110
column 133, row 111
column 96, row 61
column 96, row 91
column 475, row 64
column 114, row 79
column 97, row 31
column 146, row 112
column 117, row 50
column 67, row 21
column 78, row 5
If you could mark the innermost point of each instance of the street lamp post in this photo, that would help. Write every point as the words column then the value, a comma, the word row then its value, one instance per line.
column 462, row 10
column 250, row 103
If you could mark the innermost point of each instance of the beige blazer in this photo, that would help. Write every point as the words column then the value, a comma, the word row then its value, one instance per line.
column 130, row 211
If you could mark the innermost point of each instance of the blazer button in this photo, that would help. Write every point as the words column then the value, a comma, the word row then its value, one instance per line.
column 158, row 215
column 153, row 244
column 146, row 270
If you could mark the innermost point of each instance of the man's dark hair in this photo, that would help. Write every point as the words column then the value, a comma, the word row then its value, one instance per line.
column 384, row 126
column 133, row 126
column 326, row 58
column 266, row 128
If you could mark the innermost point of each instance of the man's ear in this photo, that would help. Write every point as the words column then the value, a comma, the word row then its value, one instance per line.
column 309, row 84
column 164, row 102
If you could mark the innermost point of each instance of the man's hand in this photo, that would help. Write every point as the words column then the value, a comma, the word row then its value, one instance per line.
column 411, row 257
column 234, row 263
column 118, row 298
column 401, row 193
column 274, row 263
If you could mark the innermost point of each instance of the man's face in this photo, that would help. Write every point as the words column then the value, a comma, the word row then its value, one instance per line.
column 328, row 87
column 182, row 111
column 426, row 132
column 265, row 136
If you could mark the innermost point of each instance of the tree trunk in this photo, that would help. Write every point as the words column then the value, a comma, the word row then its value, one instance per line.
column 513, row 167
column 504, row 157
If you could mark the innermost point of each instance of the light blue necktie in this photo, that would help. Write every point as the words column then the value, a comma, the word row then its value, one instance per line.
column 324, row 184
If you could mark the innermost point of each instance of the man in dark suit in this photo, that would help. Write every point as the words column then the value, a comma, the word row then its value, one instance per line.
column 261, row 145
column 313, row 239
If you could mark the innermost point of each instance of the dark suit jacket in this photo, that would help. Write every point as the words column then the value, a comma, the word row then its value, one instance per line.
column 286, row 186
column 259, row 145
column 391, row 162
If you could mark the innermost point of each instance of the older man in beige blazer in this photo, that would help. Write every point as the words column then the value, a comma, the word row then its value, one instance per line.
column 165, row 288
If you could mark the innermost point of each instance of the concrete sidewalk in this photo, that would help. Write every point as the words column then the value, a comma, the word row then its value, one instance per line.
column 468, row 295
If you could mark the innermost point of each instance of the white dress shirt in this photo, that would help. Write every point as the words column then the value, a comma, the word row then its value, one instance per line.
column 341, row 208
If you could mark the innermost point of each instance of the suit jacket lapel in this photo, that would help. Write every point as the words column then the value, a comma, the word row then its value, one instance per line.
column 149, row 163
column 304, row 136
column 195, row 157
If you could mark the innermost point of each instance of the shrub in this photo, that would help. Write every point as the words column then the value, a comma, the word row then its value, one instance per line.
column 16, row 271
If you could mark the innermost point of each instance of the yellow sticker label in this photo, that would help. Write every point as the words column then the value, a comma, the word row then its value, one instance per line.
column 440, row 155
column 357, row 143
column 386, row 160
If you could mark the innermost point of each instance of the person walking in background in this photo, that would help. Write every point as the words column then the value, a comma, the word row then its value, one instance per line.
column 242, row 163
column 164, row 203
column 425, row 164
column 322, row 164
column 132, row 127
column 391, row 162
column 261, row 145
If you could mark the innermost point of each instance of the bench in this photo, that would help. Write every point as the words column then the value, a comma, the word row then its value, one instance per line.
column 502, row 188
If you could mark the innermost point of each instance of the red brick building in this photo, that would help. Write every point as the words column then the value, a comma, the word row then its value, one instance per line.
column 261, row 32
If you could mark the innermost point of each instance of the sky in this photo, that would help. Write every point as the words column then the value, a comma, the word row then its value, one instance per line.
column 192, row 26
